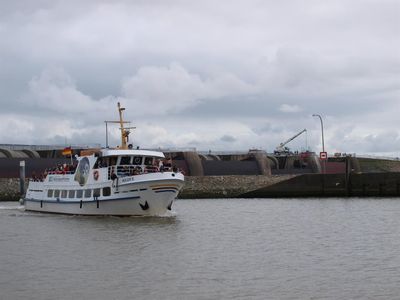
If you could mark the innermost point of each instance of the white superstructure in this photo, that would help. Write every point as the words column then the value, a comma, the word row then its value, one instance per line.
column 118, row 181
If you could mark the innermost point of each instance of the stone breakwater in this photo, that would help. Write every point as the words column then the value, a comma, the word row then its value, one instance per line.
column 9, row 189
column 195, row 186
column 232, row 186
column 261, row 186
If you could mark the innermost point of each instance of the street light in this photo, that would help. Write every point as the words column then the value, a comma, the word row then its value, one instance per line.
column 322, row 130
column 323, row 147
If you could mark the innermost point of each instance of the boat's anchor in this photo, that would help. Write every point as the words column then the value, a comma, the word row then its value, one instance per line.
column 145, row 206
column 170, row 205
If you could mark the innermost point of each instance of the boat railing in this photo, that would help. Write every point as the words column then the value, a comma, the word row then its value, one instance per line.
column 60, row 172
column 131, row 170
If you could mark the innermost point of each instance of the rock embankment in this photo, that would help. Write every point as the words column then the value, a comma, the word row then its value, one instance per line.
column 226, row 186
column 195, row 186
column 9, row 189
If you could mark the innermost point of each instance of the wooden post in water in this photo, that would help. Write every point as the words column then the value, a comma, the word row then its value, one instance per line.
column 22, row 178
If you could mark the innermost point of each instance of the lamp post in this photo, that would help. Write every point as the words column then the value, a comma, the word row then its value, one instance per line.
column 322, row 130
column 323, row 142
column 106, row 133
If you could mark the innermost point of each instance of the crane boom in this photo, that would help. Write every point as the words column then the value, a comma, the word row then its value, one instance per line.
column 281, row 146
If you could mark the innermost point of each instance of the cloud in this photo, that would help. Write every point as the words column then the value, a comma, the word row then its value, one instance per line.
column 228, row 139
column 162, row 90
column 54, row 93
column 55, row 90
column 287, row 108
column 196, row 73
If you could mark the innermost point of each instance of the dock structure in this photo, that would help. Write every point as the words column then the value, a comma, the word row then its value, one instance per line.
column 253, row 173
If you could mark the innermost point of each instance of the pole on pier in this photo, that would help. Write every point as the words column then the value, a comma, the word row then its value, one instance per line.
column 22, row 177
column 106, row 133
column 347, row 177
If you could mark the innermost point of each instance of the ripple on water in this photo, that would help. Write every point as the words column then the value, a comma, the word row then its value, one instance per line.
column 208, row 249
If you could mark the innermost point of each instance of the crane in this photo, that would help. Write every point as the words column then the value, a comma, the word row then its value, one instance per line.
column 281, row 148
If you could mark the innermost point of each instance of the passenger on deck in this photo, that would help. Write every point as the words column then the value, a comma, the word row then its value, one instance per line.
column 161, row 166
column 168, row 164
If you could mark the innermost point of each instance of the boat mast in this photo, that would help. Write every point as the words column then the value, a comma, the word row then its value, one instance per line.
column 124, row 132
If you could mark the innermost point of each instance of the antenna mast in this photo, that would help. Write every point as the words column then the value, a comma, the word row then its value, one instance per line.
column 124, row 131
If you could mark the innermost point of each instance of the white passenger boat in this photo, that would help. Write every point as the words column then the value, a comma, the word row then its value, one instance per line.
column 120, row 181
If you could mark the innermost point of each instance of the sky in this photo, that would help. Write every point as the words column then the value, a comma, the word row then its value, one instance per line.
column 210, row 75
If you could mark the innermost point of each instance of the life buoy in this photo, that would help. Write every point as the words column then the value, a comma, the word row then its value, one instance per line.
column 96, row 175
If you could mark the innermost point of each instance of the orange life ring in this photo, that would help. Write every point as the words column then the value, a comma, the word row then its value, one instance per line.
column 96, row 175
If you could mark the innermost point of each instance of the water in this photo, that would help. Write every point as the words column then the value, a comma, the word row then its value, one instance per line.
column 210, row 249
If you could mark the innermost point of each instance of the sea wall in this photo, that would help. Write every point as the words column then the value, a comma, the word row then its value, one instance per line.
column 333, row 185
column 227, row 186
column 9, row 189
column 261, row 186
column 195, row 186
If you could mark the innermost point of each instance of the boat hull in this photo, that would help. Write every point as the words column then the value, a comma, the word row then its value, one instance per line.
column 145, row 198
column 117, row 207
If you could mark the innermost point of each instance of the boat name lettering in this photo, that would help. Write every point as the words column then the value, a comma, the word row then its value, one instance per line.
column 127, row 179
column 58, row 179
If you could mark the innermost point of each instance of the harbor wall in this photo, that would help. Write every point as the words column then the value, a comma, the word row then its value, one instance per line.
column 333, row 185
column 385, row 184
column 9, row 167
column 195, row 186
column 261, row 186
column 9, row 189
column 227, row 186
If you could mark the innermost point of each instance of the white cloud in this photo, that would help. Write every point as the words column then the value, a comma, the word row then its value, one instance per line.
column 198, row 73
column 287, row 108
column 55, row 90
column 162, row 90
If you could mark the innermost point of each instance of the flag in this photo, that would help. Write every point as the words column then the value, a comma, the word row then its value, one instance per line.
column 67, row 151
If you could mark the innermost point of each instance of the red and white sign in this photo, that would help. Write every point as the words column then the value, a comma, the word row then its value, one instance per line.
column 323, row 155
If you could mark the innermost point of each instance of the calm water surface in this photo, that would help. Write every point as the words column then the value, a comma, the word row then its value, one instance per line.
column 209, row 249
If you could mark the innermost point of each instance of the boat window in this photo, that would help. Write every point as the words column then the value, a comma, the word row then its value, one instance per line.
column 79, row 193
column 125, row 160
column 57, row 193
column 50, row 193
column 106, row 191
column 113, row 161
column 148, row 161
column 96, row 165
column 99, row 163
column 96, row 193
column 64, row 193
column 88, row 193
column 106, row 161
column 137, row 160
column 71, row 194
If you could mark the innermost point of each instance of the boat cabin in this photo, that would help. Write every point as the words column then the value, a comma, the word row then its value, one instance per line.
column 129, row 162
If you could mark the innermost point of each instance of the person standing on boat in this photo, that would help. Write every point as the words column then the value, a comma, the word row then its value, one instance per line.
column 161, row 166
